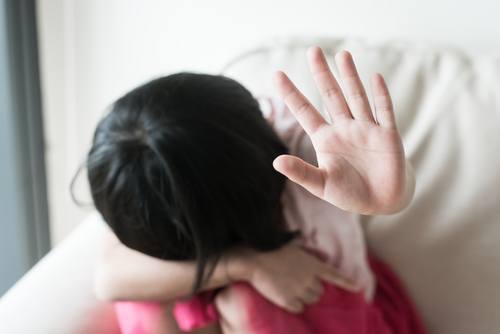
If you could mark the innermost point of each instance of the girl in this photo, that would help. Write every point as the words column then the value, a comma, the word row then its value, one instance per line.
column 184, row 170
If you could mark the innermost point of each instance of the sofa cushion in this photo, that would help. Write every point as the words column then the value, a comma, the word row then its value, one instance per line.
column 446, row 245
column 56, row 296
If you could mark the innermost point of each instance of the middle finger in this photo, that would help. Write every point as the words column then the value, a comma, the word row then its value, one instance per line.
column 355, row 92
column 329, row 88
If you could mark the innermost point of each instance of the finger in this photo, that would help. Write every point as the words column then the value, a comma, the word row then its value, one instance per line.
column 308, row 117
column 354, row 90
column 384, row 110
column 315, row 291
column 317, row 287
column 294, row 306
column 297, row 170
column 328, row 87
column 290, row 306
column 310, row 297
column 331, row 276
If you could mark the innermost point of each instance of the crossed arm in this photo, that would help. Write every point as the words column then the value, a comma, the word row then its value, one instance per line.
column 361, row 168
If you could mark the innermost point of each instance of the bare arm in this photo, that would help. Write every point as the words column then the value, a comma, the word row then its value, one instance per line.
column 125, row 274
column 289, row 277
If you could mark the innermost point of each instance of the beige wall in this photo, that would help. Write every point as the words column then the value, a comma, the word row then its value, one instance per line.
column 94, row 50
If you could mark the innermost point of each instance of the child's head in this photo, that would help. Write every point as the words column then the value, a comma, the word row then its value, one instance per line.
column 181, row 169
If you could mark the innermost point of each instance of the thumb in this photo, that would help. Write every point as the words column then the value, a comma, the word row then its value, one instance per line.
column 331, row 276
column 304, row 174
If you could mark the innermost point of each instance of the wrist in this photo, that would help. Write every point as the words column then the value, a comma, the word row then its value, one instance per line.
column 239, row 265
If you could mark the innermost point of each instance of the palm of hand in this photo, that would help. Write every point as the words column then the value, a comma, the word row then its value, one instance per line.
column 363, row 165
column 361, row 161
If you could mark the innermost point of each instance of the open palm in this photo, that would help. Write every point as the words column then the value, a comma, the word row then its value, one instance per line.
column 361, row 161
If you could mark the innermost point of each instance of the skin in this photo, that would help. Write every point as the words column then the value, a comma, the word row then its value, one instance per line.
column 361, row 168
column 126, row 274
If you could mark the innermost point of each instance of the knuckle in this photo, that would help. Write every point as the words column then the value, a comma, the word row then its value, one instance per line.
column 303, row 291
column 290, row 307
column 303, row 172
column 331, row 92
column 284, row 302
column 312, row 282
column 312, row 299
column 303, row 108
column 384, row 108
column 356, row 95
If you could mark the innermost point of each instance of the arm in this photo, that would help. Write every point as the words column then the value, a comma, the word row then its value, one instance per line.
column 362, row 166
column 125, row 274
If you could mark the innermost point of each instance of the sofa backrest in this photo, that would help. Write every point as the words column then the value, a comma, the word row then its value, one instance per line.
column 446, row 244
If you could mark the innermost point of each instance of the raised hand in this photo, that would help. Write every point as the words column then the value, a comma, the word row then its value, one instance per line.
column 361, row 161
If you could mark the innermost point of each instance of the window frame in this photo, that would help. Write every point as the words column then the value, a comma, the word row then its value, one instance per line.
column 24, row 217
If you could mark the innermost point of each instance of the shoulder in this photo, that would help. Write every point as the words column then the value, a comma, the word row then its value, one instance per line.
column 288, row 129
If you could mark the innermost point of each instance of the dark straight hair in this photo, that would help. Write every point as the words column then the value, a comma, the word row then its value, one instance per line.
column 181, row 169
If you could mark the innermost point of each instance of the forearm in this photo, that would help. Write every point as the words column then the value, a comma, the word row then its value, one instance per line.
column 125, row 274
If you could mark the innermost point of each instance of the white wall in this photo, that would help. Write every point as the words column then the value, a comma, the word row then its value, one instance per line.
column 94, row 50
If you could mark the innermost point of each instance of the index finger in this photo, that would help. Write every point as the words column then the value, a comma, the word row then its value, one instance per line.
column 305, row 113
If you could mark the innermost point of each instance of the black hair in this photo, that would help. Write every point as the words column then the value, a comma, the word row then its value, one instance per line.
column 181, row 169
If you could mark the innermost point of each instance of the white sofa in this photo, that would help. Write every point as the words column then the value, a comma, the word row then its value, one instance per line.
column 445, row 246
